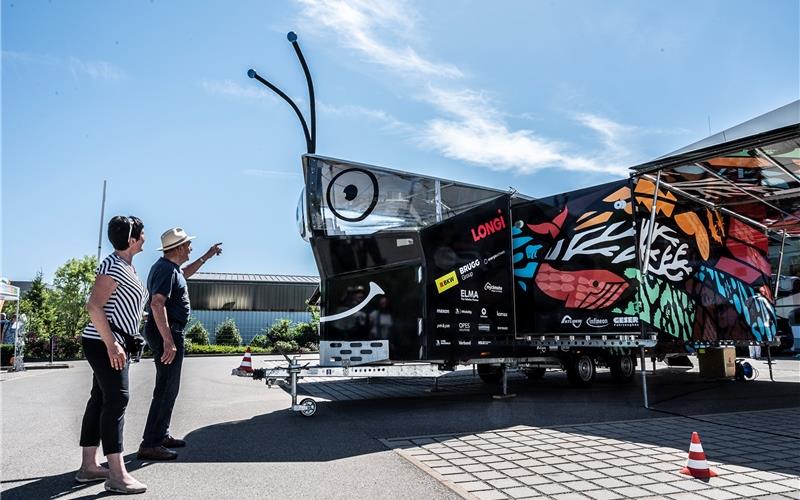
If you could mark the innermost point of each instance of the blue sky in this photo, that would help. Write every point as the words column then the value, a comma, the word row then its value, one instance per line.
column 543, row 96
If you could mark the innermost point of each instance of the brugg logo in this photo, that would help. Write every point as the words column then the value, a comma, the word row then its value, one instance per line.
column 489, row 228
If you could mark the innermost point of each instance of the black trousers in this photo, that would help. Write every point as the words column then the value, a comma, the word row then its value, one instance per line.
column 168, row 383
column 104, row 417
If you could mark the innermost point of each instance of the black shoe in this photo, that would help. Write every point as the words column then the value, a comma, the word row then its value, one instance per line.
column 171, row 442
column 156, row 453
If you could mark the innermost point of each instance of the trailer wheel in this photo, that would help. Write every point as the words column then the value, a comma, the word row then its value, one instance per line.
column 490, row 374
column 535, row 373
column 309, row 407
column 622, row 368
column 581, row 371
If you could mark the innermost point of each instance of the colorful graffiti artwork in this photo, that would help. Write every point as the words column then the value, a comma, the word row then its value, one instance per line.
column 578, row 255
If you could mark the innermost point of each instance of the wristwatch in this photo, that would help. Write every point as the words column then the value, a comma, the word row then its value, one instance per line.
column 202, row 260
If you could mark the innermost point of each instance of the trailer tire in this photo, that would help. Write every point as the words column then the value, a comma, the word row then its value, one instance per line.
column 309, row 407
column 623, row 368
column 581, row 371
column 535, row 373
column 490, row 374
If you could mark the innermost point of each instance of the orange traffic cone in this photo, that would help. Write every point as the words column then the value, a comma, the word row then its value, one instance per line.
column 247, row 363
column 696, row 465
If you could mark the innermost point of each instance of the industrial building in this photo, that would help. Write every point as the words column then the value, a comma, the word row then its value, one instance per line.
column 254, row 301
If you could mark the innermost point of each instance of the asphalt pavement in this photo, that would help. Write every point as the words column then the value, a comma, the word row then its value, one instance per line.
column 244, row 441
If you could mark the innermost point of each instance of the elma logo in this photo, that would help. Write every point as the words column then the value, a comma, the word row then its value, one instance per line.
column 489, row 228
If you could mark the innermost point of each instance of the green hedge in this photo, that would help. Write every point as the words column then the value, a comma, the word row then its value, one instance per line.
column 223, row 349
column 6, row 353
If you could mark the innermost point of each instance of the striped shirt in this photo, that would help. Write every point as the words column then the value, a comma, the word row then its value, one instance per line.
column 124, row 307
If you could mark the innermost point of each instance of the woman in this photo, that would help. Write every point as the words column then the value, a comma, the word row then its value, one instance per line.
column 117, row 299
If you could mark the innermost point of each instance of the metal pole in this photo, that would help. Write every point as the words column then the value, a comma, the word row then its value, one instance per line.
column 102, row 216
column 769, row 363
column 505, row 381
column 780, row 266
column 645, row 268
column 644, row 380
column 19, row 362
column 646, row 265
column 775, row 298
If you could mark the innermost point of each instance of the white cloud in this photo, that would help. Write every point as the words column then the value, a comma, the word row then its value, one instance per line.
column 479, row 135
column 352, row 111
column 230, row 88
column 96, row 70
column 361, row 24
column 471, row 127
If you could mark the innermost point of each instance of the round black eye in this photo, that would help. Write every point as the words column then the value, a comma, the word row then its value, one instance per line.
column 352, row 194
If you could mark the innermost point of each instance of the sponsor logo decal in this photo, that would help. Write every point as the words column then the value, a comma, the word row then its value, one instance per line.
column 483, row 327
column 467, row 270
column 597, row 322
column 493, row 288
column 484, row 342
column 567, row 320
column 489, row 228
column 443, row 326
column 626, row 321
column 469, row 295
column 464, row 311
column 501, row 314
column 443, row 311
column 442, row 342
column 463, row 327
column 464, row 342
column 483, row 312
column 502, row 328
column 489, row 259
column 447, row 281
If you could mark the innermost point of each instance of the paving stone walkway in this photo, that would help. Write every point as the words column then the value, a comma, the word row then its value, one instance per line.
column 755, row 454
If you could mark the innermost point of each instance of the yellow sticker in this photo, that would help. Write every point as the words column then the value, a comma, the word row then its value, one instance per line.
column 447, row 281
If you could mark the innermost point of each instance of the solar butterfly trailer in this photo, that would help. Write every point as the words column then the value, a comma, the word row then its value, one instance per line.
column 420, row 274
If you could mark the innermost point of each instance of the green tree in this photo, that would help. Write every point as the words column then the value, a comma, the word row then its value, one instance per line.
column 197, row 333
column 227, row 333
column 72, row 284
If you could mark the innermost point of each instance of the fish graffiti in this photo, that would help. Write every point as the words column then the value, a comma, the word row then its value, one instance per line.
column 581, row 251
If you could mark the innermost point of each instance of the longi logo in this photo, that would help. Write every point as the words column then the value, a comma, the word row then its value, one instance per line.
column 493, row 288
column 469, row 295
column 489, row 228
column 567, row 320
column 466, row 270
column 447, row 281
column 597, row 322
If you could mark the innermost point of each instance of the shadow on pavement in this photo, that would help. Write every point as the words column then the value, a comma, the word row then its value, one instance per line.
column 353, row 428
column 61, row 484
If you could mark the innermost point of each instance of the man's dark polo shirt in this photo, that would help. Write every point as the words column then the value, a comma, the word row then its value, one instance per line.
column 166, row 278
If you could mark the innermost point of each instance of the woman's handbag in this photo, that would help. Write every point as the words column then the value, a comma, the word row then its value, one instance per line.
column 133, row 343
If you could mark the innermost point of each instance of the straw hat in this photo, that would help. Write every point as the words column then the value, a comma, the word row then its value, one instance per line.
column 172, row 238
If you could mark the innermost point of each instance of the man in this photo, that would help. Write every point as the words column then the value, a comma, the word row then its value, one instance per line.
column 762, row 310
column 168, row 312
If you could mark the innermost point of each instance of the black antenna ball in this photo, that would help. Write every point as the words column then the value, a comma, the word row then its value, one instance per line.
column 251, row 73
column 291, row 36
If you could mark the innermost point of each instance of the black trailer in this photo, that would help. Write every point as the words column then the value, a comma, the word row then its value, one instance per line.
column 420, row 274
